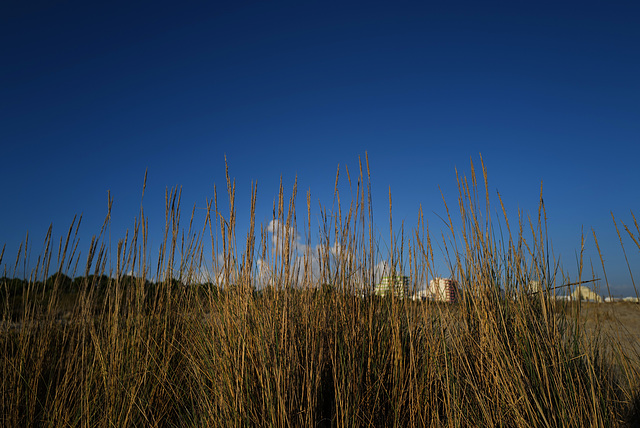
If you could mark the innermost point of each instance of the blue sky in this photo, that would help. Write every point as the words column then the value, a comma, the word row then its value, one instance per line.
column 92, row 95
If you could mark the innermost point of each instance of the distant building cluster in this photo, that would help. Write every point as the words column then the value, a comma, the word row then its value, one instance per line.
column 448, row 290
column 438, row 290
column 584, row 293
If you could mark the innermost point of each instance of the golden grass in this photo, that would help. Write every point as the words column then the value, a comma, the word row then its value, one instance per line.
column 290, row 342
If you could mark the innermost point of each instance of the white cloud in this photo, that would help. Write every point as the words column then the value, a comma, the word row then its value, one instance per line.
column 281, row 233
column 381, row 269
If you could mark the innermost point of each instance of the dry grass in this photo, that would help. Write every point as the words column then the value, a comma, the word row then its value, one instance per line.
column 290, row 342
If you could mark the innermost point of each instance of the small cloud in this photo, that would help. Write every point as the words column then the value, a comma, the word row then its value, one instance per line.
column 281, row 233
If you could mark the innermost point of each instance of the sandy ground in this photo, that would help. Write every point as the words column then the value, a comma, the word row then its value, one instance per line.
column 617, row 323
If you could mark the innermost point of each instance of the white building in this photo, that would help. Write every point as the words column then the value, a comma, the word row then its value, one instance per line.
column 584, row 293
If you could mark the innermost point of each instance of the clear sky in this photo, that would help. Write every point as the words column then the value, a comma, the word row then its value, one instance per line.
column 92, row 94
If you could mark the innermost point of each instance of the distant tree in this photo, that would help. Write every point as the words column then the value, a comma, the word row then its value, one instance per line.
column 209, row 290
column 98, row 282
column 59, row 280
column 11, row 287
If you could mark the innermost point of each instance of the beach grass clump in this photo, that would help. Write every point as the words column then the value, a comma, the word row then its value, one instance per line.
column 272, row 333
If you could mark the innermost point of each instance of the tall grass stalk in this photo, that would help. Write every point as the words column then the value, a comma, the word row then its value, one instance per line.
column 264, row 331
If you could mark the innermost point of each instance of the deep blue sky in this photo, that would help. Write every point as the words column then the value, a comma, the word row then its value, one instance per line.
column 92, row 94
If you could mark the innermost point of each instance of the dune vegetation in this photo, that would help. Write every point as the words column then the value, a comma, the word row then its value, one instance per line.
column 267, row 333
